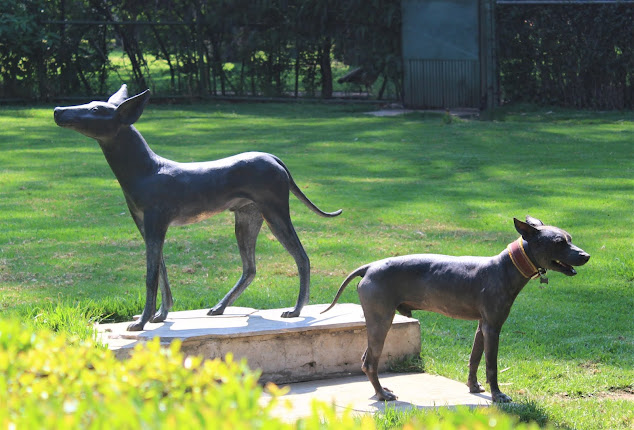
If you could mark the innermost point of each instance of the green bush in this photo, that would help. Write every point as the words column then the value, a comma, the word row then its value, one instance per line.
column 50, row 380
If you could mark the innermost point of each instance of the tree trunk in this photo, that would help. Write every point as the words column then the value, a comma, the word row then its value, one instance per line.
column 326, row 70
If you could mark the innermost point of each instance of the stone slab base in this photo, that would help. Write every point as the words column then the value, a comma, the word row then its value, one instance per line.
column 356, row 395
column 311, row 346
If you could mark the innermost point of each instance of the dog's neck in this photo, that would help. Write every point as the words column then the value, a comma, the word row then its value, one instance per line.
column 521, row 260
column 129, row 156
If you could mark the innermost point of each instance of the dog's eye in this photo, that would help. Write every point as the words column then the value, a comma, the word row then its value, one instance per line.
column 96, row 109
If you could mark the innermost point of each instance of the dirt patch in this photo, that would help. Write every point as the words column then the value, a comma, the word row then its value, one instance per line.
column 612, row 394
column 619, row 394
column 591, row 366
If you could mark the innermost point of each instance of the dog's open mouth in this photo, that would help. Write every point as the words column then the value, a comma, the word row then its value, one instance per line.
column 564, row 268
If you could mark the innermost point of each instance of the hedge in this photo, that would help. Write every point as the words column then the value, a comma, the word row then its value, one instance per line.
column 578, row 55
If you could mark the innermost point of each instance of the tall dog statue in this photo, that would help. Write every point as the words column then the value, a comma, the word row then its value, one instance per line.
column 469, row 288
column 161, row 193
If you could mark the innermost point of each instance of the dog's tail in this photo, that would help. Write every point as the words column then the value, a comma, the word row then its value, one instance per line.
column 302, row 197
column 361, row 271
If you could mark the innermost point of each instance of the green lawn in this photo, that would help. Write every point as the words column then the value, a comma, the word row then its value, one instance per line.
column 408, row 184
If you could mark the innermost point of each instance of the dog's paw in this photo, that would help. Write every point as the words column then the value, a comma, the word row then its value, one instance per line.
column 159, row 317
column 476, row 387
column 386, row 395
column 290, row 314
column 136, row 326
column 216, row 310
column 501, row 398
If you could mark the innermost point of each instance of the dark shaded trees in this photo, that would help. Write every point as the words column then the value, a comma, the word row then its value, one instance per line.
column 578, row 55
column 264, row 47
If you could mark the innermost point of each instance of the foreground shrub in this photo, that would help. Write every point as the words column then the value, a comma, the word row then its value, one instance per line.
column 50, row 381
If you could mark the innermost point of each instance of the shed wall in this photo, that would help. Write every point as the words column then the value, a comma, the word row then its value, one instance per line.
column 441, row 53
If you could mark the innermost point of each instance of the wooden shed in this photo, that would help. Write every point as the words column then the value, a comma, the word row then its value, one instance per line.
column 449, row 54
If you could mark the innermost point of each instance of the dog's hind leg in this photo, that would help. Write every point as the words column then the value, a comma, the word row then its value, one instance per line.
column 378, row 313
column 248, row 223
column 378, row 324
column 279, row 221
column 474, row 361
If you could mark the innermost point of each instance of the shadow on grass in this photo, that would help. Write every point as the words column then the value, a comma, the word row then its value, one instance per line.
column 526, row 412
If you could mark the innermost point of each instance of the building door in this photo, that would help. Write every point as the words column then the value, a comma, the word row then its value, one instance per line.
column 441, row 53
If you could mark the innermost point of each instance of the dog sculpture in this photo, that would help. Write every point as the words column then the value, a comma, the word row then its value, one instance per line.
column 470, row 288
column 161, row 193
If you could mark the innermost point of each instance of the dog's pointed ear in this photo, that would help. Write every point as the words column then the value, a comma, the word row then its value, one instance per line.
column 130, row 110
column 533, row 221
column 525, row 229
column 120, row 96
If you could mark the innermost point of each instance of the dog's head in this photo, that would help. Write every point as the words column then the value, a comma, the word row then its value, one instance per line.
column 101, row 120
column 551, row 248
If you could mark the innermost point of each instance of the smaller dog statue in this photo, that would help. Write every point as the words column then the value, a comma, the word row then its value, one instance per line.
column 469, row 288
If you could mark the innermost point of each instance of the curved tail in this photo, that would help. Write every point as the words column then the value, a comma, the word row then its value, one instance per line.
column 302, row 197
column 361, row 271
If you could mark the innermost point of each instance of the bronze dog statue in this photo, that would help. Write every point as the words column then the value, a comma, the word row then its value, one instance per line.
column 161, row 193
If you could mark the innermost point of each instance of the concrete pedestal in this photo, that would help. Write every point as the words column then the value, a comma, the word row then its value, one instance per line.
column 311, row 346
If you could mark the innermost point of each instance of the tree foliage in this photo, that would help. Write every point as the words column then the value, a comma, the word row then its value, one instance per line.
column 578, row 55
column 265, row 47
column 43, row 60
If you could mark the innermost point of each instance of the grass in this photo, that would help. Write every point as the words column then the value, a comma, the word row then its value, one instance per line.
column 407, row 184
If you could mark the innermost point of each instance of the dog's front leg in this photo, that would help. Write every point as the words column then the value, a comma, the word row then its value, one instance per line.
column 491, row 343
column 155, row 231
column 166, row 293
column 474, row 361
